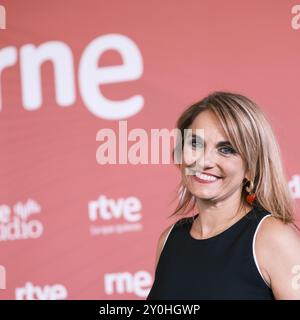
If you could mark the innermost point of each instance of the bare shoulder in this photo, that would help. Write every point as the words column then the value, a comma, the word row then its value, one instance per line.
column 278, row 251
column 161, row 241
column 273, row 232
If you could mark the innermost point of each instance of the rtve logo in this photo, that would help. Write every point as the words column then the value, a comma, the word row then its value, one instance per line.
column 90, row 76
column 125, row 282
column 48, row 292
column 109, row 209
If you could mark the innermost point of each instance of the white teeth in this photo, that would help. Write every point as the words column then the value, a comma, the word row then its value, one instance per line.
column 206, row 177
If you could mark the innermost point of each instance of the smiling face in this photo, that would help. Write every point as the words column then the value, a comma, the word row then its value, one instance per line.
column 215, row 157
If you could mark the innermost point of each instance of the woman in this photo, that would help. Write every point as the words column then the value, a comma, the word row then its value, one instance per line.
column 242, row 243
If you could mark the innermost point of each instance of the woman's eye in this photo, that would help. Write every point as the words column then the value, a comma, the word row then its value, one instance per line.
column 228, row 150
column 195, row 143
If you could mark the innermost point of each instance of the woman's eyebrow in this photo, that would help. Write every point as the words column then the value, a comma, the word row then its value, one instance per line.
column 219, row 144
column 223, row 143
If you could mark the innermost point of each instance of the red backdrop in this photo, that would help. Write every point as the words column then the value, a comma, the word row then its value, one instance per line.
column 71, row 228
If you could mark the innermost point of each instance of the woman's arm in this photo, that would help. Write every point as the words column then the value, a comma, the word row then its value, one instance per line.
column 277, row 249
column 160, row 244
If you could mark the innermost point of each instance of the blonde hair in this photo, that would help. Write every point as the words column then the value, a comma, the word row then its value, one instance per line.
column 250, row 133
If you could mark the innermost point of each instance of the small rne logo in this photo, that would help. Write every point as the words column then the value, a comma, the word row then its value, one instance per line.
column 2, row 17
column 2, row 278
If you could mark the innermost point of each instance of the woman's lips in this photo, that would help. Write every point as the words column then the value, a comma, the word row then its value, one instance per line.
column 204, row 181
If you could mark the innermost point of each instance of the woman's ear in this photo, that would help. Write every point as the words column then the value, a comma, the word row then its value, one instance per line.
column 247, row 177
column 245, row 181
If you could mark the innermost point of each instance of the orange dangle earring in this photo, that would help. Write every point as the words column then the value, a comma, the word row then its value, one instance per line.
column 251, row 196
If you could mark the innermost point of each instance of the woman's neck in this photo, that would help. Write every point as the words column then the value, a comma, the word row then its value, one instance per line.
column 214, row 218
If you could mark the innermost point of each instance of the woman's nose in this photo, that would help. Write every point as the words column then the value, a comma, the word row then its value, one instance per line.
column 209, row 157
column 204, row 160
column 200, row 161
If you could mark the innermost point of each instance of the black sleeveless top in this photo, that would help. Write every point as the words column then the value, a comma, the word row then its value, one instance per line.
column 220, row 267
